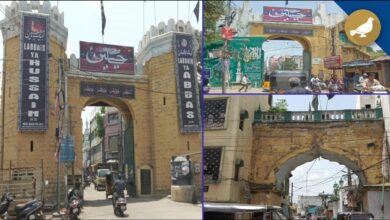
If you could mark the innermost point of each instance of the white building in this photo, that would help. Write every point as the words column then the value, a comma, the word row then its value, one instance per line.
column 374, row 193
column 86, row 146
column 306, row 201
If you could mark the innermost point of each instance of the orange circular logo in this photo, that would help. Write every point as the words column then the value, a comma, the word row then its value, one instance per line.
column 362, row 27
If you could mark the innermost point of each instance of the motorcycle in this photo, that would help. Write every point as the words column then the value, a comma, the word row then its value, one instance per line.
column 74, row 204
column 29, row 210
column 119, row 203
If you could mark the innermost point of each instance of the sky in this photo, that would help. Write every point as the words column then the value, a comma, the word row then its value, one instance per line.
column 124, row 22
column 320, row 173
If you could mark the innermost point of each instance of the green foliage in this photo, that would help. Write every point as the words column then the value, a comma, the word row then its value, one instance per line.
column 102, row 110
column 336, row 189
column 288, row 64
column 213, row 11
column 100, row 125
column 280, row 106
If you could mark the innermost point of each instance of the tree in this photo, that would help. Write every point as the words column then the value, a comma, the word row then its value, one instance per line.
column 100, row 125
column 213, row 11
column 280, row 106
column 288, row 64
column 336, row 189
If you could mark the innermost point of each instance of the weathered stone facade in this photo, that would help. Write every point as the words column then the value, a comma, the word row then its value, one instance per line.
column 280, row 147
column 152, row 116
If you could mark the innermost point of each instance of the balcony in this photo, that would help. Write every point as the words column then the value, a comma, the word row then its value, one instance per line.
column 318, row 116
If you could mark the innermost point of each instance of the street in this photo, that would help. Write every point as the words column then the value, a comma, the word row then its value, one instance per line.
column 96, row 206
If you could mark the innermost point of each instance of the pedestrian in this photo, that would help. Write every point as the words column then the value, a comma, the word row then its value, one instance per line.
column 295, row 86
column 371, row 84
column 244, row 83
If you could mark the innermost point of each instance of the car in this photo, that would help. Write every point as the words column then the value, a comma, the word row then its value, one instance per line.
column 279, row 80
column 101, row 179
column 355, row 216
column 233, row 211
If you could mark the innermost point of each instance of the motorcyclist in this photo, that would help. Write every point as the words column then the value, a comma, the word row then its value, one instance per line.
column 119, row 187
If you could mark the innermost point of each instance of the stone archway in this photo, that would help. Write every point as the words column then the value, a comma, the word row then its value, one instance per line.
column 128, row 148
column 307, row 50
column 278, row 148
column 293, row 162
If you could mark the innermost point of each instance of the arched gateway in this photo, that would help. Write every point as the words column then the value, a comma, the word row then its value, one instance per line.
column 159, row 121
column 282, row 143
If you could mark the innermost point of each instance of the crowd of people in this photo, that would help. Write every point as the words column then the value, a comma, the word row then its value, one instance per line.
column 358, row 83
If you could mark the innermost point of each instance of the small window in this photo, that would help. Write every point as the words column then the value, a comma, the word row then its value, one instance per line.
column 113, row 143
column 161, row 31
column 212, row 163
column 31, row 146
column 181, row 29
column 215, row 113
column 164, row 101
column 113, row 118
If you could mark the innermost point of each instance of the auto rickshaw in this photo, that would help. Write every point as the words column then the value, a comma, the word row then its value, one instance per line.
column 110, row 179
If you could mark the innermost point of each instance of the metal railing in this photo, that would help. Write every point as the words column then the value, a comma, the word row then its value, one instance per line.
column 318, row 116
column 19, row 182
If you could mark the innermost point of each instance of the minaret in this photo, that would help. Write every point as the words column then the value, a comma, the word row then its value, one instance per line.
column 238, row 74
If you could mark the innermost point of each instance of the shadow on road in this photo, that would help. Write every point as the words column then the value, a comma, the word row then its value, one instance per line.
column 98, row 202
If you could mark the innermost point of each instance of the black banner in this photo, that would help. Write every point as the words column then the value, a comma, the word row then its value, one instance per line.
column 107, row 90
column 33, row 97
column 186, row 79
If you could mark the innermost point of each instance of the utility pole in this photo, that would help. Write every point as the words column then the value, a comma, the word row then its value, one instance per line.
column 67, row 129
column 59, row 135
column 292, row 193
column 225, row 52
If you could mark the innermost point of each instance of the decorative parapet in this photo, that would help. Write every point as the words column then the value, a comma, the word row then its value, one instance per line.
column 158, row 41
column 318, row 116
column 11, row 24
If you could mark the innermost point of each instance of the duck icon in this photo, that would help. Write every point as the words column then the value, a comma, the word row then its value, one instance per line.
column 363, row 29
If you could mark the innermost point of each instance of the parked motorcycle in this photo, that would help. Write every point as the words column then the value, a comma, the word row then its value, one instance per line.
column 29, row 210
column 74, row 204
column 119, row 203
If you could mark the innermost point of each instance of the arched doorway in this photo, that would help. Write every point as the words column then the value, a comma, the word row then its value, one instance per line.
column 287, row 56
column 287, row 167
column 125, row 149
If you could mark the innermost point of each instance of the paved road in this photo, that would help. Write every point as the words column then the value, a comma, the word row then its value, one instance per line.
column 96, row 206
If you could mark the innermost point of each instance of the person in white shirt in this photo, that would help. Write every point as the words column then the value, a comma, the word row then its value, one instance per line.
column 244, row 83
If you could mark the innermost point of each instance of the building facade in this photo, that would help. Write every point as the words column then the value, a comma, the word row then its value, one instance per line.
column 227, row 147
column 113, row 136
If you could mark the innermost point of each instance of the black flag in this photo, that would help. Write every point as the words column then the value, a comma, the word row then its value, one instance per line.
column 196, row 11
column 103, row 17
column 315, row 102
column 330, row 96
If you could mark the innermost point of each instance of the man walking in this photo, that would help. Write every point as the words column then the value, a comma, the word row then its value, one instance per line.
column 244, row 83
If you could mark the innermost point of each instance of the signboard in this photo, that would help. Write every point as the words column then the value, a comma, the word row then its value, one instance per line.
column 33, row 97
column 181, row 171
column 67, row 149
column 107, row 90
column 316, row 61
column 287, row 15
column 106, row 58
column 247, row 57
column 292, row 31
column 186, row 79
column 333, row 62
